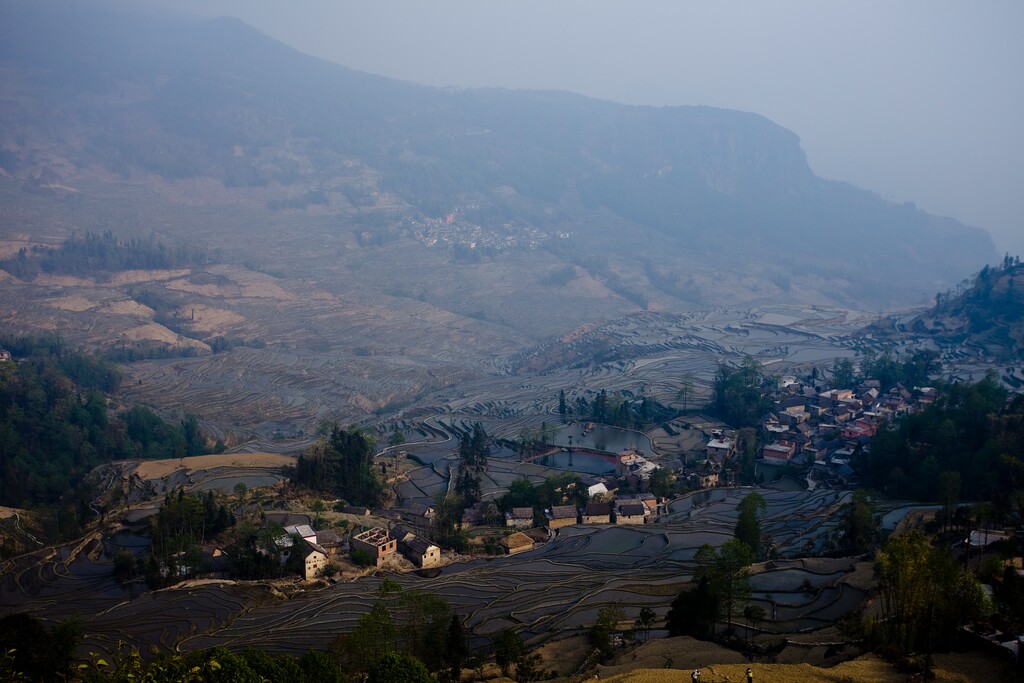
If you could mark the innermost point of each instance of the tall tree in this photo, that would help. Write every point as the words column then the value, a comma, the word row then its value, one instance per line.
column 695, row 612
column 727, row 572
column 686, row 384
column 858, row 524
column 842, row 373
column 949, row 493
column 748, row 523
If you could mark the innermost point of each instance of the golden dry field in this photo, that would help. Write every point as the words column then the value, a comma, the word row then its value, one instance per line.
column 157, row 469
column 964, row 668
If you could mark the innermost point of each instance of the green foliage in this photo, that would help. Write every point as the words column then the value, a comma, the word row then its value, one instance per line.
column 858, row 524
column 754, row 614
column 456, row 648
column 926, row 597
column 662, row 482
column 448, row 512
column 96, row 254
column 508, row 650
column 726, row 571
column 38, row 654
column 645, row 621
column 55, row 428
column 695, row 612
column 392, row 667
column 474, row 448
column 467, row 486
column 620, row 411
column 748, row 523
column 911, row 370
column 362, row 557
column 342, row 465
column 842, row 373
column 406, row 622
column 217, row 665
column 739, row 398
column 970, row 430
column 608, row 619
column 185, row 521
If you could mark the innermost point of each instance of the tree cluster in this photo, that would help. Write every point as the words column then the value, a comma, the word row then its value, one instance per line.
column 621, row 411
column 341, row 464
column 97, row 253
column 740, row 397
column 404, row 630
column 926, row 596
column 720, row 591
column 912, row 370
column 182, row 525
column 970, row 431
column 561, row 489
column 474, row 448
column 55, row 426
column 748, row 522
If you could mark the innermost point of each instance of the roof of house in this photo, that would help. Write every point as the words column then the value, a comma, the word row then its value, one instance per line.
column 327, row 537
column 598, row 509
column 304, row 530
column 522, row 513
column 400, row 533
column 517, row 540
column 632, row 509
column 564, row 512
column 374, row 536
column 312, row 547
column 419, row 510
column 420, row 546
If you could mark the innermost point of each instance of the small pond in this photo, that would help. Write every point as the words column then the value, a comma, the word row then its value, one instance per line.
column 578, row 461
column 602, row 438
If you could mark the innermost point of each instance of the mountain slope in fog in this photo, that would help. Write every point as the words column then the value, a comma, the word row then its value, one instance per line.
column 659, row 208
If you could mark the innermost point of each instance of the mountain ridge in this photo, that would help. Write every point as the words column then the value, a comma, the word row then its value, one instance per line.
column 727, row 194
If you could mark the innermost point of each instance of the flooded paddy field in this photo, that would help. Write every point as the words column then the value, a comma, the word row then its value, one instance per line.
column 653, row 352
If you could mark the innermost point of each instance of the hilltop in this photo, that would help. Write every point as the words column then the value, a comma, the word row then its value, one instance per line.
column 983, row 314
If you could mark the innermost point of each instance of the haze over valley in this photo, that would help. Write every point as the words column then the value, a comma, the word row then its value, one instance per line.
column 287, row 348
column 365, row 227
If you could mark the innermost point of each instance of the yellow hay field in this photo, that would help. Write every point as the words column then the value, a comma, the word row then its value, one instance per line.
column 156, row 469
column 965, row 668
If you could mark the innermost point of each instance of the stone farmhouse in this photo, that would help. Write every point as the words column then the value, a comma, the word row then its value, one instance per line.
column 375, row 541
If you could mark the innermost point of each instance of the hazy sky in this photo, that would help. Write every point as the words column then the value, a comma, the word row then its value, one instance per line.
column 919, row 100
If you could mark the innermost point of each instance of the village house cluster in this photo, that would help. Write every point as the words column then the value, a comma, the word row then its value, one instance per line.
column 826, row 430
column 452, row 230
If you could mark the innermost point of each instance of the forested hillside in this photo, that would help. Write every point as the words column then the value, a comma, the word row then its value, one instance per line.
column 968, row 445
column 55, row 424
column 985, row 312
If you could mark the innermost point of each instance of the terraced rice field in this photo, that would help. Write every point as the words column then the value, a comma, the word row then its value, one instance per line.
column 552, row 590
column 559, row 587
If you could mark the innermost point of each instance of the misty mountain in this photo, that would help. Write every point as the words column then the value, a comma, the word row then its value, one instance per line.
column 108, row 113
